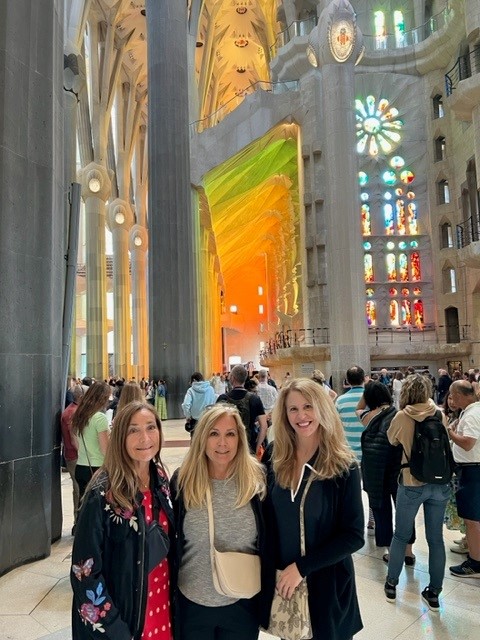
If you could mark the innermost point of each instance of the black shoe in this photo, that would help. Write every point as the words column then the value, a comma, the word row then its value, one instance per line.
column 390, row 591
column 431, row 598
column 409, row 560
column 468, row 569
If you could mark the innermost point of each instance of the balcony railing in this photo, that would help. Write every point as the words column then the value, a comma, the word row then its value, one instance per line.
column 465, row 67
column 468, row 232
column 427, row 333
column 217, row 116
column 389, row 41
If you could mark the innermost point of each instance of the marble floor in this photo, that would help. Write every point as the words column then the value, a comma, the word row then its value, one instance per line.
column 35, row 599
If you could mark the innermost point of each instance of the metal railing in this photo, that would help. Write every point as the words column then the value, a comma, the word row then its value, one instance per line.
column 217, row 116
column 388, row 42
column 465, row 67
column 468, row 231
column 427, row 333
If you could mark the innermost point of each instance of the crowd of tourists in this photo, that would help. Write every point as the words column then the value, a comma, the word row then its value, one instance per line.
column 257, row 528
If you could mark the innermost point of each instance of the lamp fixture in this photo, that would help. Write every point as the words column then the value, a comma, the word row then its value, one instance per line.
column 119, row 217
column 137, row 241
column 94, row 184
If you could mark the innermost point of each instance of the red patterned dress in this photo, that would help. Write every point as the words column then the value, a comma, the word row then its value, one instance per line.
column 158, row 625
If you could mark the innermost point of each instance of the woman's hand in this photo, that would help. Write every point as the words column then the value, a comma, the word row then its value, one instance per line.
column 289, row 580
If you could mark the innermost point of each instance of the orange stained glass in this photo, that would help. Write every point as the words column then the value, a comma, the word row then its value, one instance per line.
column 405, row 292
column 406, row 312
column 394, row 313
column 416, row 273
column 417, row 291
column 401, row 219
column 412, row 218
column 392, row 291
column 366, row 222
column 368, row 267
column 371, row 313
column 403, row 267
column 418, row 312
column 391, row 267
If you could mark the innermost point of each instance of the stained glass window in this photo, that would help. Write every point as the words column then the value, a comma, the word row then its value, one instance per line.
column 391, row 267
column 368, row 267
column 377, row 128
column 401, row 218
column 405, row 291
column 388, row 216
column 364, row 196
column 417, row 291
column 415, row 266
column 362, row 178
column 367, row 246
column 403, row 267
column 407, row 176
column 394, row 312
column 380, row 30
column 397, row 162
column 418, row 312
column 392, row 291
column 366, row 222
column 399, row 25
column 402, row 245
column 369, row 292
column 390, row 246
column 389, row 177
column 371, row 313
column 412, row 218
column 406, row 312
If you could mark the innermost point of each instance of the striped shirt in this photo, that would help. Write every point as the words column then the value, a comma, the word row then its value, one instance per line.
column 346, row 405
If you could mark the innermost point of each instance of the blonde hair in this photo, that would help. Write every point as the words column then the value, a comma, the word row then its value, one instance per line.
column 245, row 470
column 118, row 466
column 334, row 455
column 416, row 389
column 131, row 391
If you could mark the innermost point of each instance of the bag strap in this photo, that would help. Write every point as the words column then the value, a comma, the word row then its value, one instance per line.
column 211, row 531
column 86, row 453
column 302, row 518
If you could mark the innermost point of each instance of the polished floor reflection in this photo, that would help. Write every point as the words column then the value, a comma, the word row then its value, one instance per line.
column 35, row 599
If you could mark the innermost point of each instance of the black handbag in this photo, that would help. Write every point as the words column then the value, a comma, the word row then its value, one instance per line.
column 157, row 541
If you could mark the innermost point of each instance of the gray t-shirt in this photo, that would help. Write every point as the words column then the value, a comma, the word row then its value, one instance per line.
column 235, row 530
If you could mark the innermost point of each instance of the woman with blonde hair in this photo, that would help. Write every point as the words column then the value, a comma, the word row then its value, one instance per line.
column 120, row 575
column 90, row 426
column 310, row 455
column 218, row 464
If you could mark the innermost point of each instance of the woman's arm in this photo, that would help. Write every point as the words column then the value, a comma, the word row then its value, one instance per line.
column 103, row 438
column 91, row 600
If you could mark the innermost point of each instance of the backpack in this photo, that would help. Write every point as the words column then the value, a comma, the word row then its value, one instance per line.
column 243, row 406
column 431, row 458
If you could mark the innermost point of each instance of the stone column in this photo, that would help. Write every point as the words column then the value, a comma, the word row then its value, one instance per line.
column 120, row 221
column 138, row 245
column 32, row 271
column 96, row 187
column 172, row 300
column 344, row 257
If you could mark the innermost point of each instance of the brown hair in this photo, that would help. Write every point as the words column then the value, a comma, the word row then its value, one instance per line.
column 94, row 400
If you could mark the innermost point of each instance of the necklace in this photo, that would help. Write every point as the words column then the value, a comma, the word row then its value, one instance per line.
column 145, row 485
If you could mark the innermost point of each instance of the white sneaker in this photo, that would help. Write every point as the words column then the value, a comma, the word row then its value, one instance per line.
column 460, row 548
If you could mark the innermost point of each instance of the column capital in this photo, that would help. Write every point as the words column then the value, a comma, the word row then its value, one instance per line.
column 119, row 215
column 95, row 181
column 138, row 240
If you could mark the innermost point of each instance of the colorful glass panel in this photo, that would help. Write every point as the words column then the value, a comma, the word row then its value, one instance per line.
column 369, row 293
column 364, row 196
column 401, row 217
column 376, row 129
column 362, row 178
column 414, row 244
column 387, row 195
column 392, row 291
column 391, row 267
column 397, row 162
column 393, row 307
column 406, row 312
column 402, row 245
column 366, row 222
column 405, row 291
column 412, row 218
column 417, row 291
column 371, row 313
column 389, row 177
column 368, row 267
column 388, row 217
column 407, row 176
column 415, row 269
column 399, row 25
column 418, row 312
column 390, row 246
column 367, row 246
column 403, row 267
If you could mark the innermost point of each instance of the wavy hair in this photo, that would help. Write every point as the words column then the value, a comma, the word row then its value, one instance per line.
column 245, row 470
column 94, row 400
column 123, row 482
column 416, row 389
column 334, row 455
column 131, row 392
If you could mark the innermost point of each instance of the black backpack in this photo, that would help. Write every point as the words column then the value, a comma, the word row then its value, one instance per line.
column 243, row 406
column 431, row 458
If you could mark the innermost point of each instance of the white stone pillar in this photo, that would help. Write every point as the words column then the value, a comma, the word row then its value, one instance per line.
column 138, row 245
column 120, row 221
column 96, row 187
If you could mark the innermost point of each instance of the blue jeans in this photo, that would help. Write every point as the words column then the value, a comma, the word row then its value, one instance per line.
column 434, row 498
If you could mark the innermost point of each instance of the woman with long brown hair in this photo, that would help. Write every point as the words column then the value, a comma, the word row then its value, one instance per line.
column 90, row 426
column 120, row 572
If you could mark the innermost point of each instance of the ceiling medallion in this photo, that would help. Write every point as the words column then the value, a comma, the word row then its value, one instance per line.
column 241, row 43
column 341, row 38
column 241, row 69
column 199, row 44
column 241, row 10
